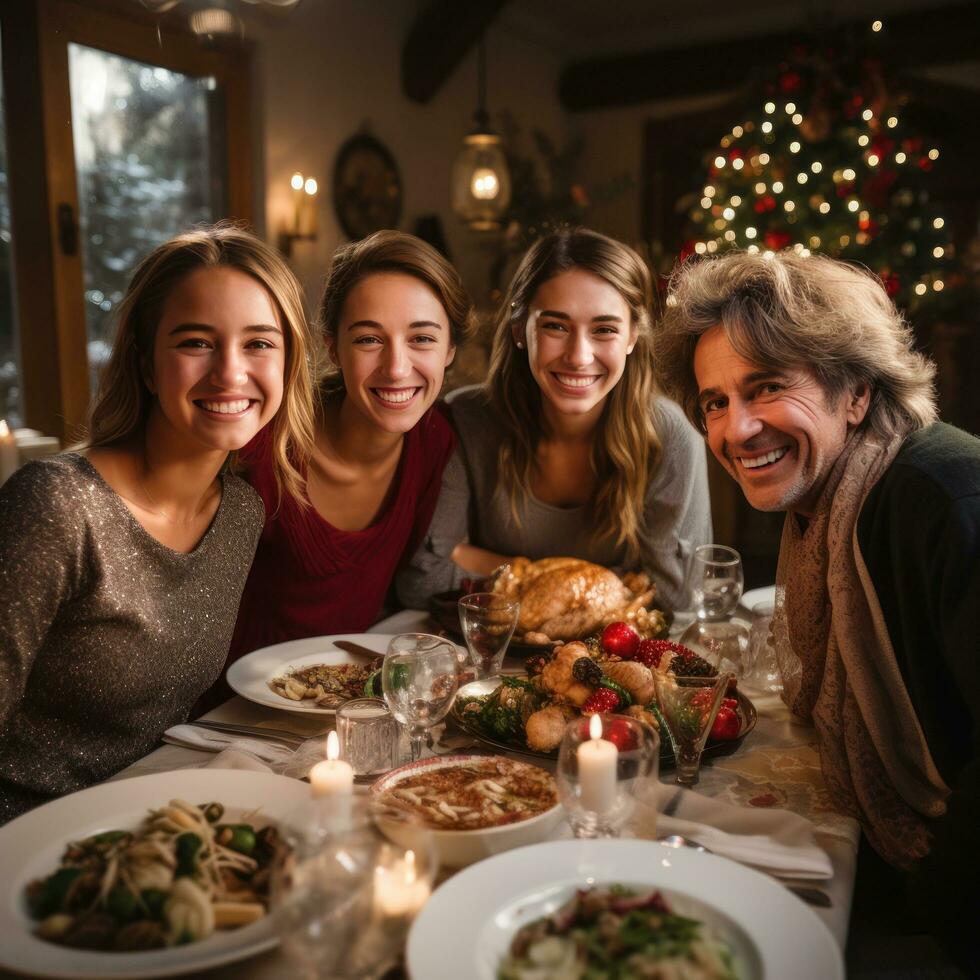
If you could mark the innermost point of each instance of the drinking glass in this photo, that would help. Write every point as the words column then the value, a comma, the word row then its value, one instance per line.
column 369, row 736
column 488, row 621
column 716, row 586
column 602, row 763
column 762, row 671
column 688, row 706
column 419, row 679
column 342, row 903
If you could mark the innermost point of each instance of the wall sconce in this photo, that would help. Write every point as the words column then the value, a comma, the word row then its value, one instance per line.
column 302, row 227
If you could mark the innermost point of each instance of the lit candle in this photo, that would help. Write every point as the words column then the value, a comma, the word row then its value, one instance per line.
column 296, row 182
column 597, row 761
column 9, row 457
column 332, row 782
column 398, row 890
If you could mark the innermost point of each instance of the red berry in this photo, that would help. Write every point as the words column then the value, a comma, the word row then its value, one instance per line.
column 650, row 652
column 620, row 639
column 726, row 725
column 600, row 701
column 730, row 703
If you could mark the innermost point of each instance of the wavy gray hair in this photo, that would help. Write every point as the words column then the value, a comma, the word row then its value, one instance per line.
column 811, row 312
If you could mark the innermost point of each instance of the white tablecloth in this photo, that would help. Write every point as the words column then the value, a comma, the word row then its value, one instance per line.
column 776, row 766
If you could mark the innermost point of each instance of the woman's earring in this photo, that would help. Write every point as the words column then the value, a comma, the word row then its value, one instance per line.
column 520, row 345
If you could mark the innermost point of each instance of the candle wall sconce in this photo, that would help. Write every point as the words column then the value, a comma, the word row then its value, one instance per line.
column 302, row 226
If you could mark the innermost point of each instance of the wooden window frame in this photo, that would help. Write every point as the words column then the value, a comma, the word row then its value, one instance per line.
column 48, row 281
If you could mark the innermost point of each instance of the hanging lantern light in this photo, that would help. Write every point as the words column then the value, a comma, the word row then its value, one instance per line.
column 481, row 179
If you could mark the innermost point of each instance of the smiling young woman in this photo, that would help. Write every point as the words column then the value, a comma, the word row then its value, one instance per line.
column 122, row 563
column 392, row 315
column 568, row 449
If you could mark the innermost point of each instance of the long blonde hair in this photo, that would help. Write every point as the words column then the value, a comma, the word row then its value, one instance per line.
column 626, row 447
column 810, row 312
column 123, row 401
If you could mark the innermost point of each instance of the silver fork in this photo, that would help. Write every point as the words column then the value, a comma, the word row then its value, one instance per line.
column 273, row 734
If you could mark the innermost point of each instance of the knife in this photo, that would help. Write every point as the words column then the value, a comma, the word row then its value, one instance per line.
column 357, row 649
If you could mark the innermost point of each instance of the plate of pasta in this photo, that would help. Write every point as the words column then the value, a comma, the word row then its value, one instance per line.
column 154, row 876
column 546, row 911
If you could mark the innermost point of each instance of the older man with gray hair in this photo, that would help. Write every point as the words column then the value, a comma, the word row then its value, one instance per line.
column 801, row 375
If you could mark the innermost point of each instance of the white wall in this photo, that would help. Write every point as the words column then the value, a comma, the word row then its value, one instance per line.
column 334, row 65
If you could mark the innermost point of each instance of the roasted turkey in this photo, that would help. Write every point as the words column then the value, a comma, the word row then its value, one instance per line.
column 569, row 598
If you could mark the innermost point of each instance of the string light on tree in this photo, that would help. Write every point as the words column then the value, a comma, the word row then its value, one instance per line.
column 831, row 162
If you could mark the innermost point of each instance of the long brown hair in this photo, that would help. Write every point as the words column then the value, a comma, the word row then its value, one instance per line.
column 123, row 401
column 388, row 251
column 626, row 448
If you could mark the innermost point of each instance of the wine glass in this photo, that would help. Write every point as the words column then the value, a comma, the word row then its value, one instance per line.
column 342, row 903
column 716, row 586
column 419, row 679
column 488, row 621
column 689, row 706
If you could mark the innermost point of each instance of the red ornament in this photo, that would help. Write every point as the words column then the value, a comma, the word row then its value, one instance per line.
column 925, row 164
column 686, row 249
column 777, row 239
column 789, row 82
column 621, row 639
column 726, row 726
column 892, row 284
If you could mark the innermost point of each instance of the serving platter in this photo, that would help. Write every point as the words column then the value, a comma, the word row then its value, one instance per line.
column 31, row 847
column 467, row 925
column 444, row 610
column 748, row 716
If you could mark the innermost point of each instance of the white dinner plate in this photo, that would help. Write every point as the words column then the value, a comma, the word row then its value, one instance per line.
column 755, row 597
column 250, row 675
column 31, row 847
column 466, row 928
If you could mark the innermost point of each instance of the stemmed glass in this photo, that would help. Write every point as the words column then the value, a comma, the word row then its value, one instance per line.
column 716, row 586
column 342, row 904
column 689, row 706
column 488, row 621
column 419, row 679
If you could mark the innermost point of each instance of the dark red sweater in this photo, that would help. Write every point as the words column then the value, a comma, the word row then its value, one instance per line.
column 311, row 579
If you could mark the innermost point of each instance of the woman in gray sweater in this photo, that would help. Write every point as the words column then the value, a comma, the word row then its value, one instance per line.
column 568, row 449
column 122, row 565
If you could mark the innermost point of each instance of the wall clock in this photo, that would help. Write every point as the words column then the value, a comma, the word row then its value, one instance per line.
column 367, row 189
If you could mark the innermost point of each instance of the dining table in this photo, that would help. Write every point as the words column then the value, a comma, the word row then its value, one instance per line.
column 776, row 766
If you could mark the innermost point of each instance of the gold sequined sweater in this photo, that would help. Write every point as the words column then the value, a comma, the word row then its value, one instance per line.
column 107, row 637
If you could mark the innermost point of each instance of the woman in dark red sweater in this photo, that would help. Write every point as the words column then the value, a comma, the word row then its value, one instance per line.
column 393, row 311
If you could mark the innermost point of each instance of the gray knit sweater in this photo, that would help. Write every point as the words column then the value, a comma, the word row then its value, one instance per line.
column 677, row 512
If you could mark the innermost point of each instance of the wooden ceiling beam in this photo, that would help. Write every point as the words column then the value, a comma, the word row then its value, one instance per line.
column 935, row 36
column 440, row 38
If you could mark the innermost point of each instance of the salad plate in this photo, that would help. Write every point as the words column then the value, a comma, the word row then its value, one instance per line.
column 251, row 675
column 748, row 716
column 31, row 847
column 467, row 926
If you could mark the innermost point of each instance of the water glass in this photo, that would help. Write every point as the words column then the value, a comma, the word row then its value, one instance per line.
column 716, row 582
column 688, row 706
column 419, row 678
column 369, row 736
column 488, row 621
column 603, row 763
column 762, row 671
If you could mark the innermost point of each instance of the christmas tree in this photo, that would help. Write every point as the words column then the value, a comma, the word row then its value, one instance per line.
column 832, row 162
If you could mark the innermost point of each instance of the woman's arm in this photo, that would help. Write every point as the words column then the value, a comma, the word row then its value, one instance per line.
column 41, row 538
column 432, row 568
column 678, row 506
column 476, row 561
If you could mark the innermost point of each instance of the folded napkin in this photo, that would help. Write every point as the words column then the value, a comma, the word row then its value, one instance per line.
column 188, row 736
column 236, row 759
column 778, row 842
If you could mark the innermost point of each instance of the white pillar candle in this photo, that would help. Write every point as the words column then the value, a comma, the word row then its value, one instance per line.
column 398, row 890
column 597, row 760
column 9, row 456
column 332, row 782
